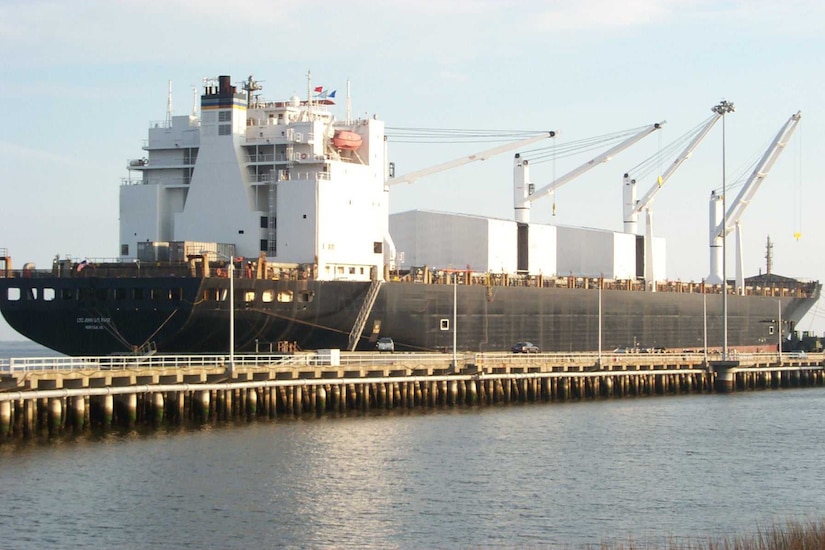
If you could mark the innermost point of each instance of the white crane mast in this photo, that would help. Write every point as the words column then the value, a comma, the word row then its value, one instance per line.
column 523, row 199
column 483, row 155
column 733, row 218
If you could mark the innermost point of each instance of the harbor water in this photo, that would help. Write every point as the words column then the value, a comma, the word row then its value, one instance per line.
column 559, row 475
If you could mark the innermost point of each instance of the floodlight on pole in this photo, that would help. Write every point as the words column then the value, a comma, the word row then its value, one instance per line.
column 724, row 107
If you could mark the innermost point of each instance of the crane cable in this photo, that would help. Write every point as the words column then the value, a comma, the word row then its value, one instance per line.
column 455, row 135
column 554, row 175
column 654, row 162
column 797, row 195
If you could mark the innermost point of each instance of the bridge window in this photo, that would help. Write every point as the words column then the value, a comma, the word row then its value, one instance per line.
column 285, row 296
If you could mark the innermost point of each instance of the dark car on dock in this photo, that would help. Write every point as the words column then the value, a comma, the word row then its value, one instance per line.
column 525, row 347
column 385, row 344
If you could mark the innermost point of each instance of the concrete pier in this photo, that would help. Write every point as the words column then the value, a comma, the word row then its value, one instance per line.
column 725, row 371
column 50, row 401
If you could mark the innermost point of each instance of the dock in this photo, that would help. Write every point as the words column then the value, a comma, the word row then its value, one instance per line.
column 71, row 394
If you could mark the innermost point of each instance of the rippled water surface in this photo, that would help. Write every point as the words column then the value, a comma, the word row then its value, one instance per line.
column 560, row 475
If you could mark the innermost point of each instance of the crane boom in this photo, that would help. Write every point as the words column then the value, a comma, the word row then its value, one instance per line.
column 484, row 155
column 604, row 157
column 632, row 207
column 720, row 226
column 686, row 153
column 759, row 174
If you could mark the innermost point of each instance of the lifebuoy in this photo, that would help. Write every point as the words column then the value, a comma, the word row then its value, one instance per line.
column 303, row 156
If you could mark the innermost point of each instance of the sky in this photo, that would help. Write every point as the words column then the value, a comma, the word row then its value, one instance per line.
column 82, row 81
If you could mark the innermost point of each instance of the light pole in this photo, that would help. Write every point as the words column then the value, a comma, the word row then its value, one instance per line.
column 722, row 109
column 231, row 272
column 779, row 330
column 600, row 323
column 455, row 315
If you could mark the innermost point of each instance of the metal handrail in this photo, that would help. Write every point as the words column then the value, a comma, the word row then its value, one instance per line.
column 17, row 365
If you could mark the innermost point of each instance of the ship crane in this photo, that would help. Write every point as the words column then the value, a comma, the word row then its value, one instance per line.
column 522, row 195
column 418, row 174
column 719, row 228
column 483, row 155
column 632, row 207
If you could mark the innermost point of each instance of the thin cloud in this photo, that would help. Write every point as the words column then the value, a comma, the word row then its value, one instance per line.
column 770, row 16
column 453, row 76
column 21, row 153
column 600, row 14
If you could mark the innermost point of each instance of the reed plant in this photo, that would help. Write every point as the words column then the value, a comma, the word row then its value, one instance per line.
column 791, row 535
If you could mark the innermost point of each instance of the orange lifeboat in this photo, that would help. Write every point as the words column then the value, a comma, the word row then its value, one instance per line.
column 345, row 139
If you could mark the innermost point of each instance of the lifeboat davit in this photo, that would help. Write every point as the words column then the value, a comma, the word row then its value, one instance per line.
column 344, row 139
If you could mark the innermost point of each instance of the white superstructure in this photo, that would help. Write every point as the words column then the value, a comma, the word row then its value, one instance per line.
column 280, row 179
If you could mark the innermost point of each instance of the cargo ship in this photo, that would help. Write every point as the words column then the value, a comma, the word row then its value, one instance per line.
column 265, row 226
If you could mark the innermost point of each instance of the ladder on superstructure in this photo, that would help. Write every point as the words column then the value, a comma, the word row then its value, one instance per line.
column 366, row 309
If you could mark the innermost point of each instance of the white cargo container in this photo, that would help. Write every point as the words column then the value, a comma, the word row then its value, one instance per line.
column 443, row 240
column 596, row 253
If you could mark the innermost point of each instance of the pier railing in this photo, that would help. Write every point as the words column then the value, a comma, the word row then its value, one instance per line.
column 17, row 365
column 487, row 361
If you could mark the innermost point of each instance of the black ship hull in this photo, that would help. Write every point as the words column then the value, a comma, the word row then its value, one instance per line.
column 101, row 315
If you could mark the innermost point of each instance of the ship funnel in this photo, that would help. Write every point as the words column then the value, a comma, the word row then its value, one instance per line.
column 225, row 85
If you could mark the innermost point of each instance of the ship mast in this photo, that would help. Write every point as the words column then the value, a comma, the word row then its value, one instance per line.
column 349, row 105
column 249, row 87
column 309, row 94
column 169, row 106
